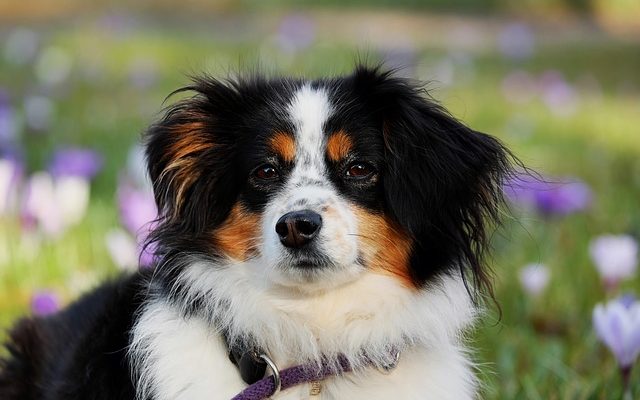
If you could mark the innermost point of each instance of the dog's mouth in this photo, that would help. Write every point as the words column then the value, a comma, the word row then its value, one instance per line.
column 309, row 261
column 311, row 271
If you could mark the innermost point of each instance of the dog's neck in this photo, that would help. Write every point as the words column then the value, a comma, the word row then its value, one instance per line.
column 179, row 353
column 366, row 316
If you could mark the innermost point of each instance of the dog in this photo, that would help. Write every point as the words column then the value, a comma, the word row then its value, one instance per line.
column 336, row 223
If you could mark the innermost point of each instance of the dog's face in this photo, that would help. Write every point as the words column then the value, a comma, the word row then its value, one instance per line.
column 321, row 181
column 323, row 220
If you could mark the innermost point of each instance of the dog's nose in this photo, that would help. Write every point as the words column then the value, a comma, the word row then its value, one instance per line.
column 298, row 228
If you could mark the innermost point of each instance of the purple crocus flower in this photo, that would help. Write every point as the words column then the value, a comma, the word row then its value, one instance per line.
column 564, row 198
column 137, row 210
column 147, row 254
column 11, row 171
column 78, row 162
column 557, row 197
column 45, row 303
column 617, row 325
column 627, row 299
column 559, row 96
column 138, row 213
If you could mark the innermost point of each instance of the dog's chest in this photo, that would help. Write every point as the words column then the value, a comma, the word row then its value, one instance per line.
column 182, row 359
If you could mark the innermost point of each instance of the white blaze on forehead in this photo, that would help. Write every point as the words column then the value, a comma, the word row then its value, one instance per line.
column 309, row 188
column 309, row 110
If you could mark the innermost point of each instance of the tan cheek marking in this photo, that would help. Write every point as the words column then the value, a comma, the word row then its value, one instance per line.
column 338, row 146
column 237, row 237
column 284, row 146
column 385, row 245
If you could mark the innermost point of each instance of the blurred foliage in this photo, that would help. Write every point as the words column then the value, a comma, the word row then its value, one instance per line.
column 123, row 65
column 625, row 9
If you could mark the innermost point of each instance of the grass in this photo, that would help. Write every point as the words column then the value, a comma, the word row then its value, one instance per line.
column 541, row 348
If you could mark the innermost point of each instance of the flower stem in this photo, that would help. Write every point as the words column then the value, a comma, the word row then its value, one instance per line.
column 611, row 286
column 626, row 377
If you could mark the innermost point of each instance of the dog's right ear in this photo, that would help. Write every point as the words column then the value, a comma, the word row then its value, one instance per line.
column 190, row 155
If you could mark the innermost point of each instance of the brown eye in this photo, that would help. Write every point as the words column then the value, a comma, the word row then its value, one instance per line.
column 266, row 172
column 359, row 170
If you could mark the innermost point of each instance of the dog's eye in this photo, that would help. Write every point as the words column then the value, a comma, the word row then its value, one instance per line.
column 359, row 170
column 266, row 172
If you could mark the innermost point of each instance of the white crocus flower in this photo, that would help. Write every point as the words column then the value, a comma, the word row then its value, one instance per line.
column 534, row 278
column 615, row 257
column 122, row 248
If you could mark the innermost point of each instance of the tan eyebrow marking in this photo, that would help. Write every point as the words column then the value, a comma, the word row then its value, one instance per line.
column 338, row 146
column 283, row 144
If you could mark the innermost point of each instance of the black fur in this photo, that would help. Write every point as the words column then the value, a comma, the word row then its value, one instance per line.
column 438, row 179
column 77, row 354
column 442, row 181
column 237, row 118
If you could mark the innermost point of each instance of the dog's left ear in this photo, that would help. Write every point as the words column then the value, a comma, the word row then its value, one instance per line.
column 443, row 180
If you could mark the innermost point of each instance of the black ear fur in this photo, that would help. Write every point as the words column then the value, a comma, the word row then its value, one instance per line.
column 190, row 155
column 443, row 181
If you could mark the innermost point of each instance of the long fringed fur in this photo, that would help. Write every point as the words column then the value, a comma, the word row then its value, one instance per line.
column 309, row 330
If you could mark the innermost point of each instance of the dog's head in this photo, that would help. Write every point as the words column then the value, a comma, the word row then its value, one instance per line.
column 321, row 181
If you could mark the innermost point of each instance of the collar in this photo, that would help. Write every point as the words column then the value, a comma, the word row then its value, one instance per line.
column 252, row 364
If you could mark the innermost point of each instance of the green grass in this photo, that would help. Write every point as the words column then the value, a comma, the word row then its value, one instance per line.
column 541, row 348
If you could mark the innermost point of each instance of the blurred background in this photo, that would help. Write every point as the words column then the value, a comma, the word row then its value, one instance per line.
column 557, row 80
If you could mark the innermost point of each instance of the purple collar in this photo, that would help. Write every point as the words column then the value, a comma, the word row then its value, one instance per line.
column 281, row 380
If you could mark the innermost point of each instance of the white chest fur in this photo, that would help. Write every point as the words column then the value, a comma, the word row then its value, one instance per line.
column 179, row 359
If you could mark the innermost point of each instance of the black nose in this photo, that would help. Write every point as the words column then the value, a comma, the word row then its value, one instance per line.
column 298, row 228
